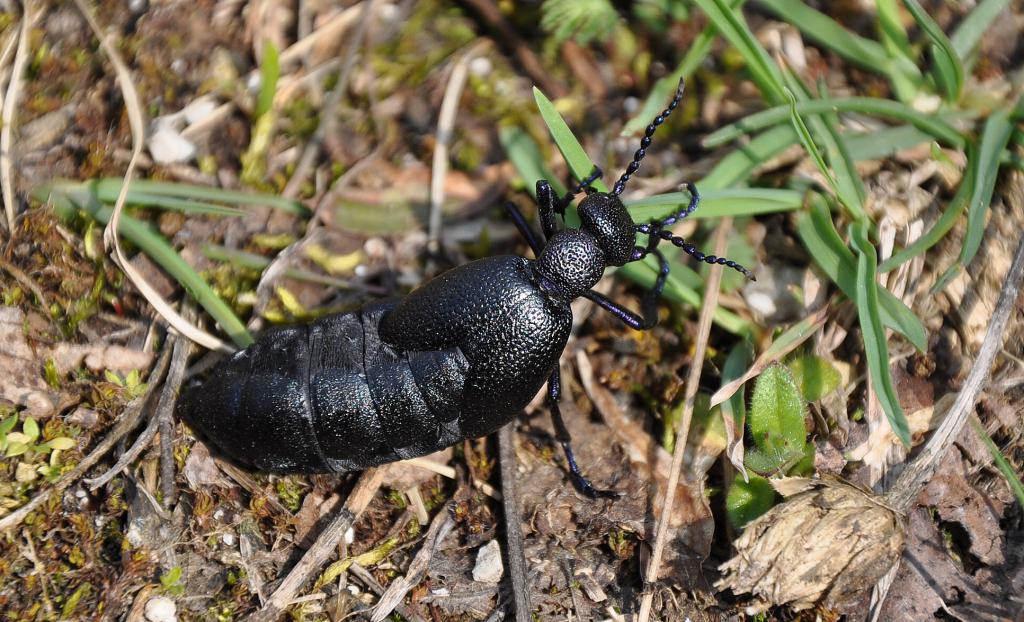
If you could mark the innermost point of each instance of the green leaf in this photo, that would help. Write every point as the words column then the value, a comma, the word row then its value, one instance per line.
column 581, row 20
column 815, row 376
column 837, row 261
column 840, row 172
column 973, row 27
column 143, row 191
column 830, row 34
column 994, row 139
column 718, row 203
column 763, row 70
column 30, row 429
column 776, row 420
column 948, row 71
column 933, row 125
column 945, row 222
column 8, row 424
column 1004, row 466
column 748, row 500
column 577, row 159
column 876, row 348
column 16, row 448
column 61, row 443
column 270, row 71
column 525, row 156
column 739, row 164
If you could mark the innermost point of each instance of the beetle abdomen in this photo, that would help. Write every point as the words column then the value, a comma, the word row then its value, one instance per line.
column 330, row 396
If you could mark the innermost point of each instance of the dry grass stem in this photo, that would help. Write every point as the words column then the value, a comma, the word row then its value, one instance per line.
column 683, row 427
column 10, row 107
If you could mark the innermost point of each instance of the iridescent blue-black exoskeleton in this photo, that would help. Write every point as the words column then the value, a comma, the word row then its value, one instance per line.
column 457, row 358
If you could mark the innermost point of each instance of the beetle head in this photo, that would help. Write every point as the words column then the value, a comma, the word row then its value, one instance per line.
column 603, row 216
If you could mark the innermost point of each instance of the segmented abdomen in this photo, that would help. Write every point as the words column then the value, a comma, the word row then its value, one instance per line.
column 331, row 396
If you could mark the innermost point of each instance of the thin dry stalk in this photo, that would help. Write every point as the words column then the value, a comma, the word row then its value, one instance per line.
column 129, row 419
column 445, row 125
column 328, row 118
column 513, row 525
column 440, row 527
column 683, row 426
column 325, row 545
column 10, row 107
column 913, row 479
column 135, row 120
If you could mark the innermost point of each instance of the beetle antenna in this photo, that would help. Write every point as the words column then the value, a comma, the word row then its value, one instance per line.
column 645, row 142
column 654, row 230
column 672, row 219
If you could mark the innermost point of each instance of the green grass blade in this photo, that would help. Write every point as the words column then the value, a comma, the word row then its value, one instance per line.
column 741, row 162
column 525, row 156
column 882, row 144
column 577, row 159
column 947, row 70
column 253, row 261
column 68, row 198
column 717, row 203
column 270, row 71
column 186, row 206
column 733, row 27
column 869, row 54
column 893, row 34
column 945, row 222
column 107, row 189
column 1004, row 466
column 827, row 249
column 994, row 138
column 677, row 292
column 876, row 348
column 665, row 87
column 884, row 108
column 840, row 170
column 968, row 34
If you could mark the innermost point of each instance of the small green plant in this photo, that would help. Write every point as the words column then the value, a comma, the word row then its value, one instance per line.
column 170, row 582
column 581, row 20
column 778, row 410
column 26, row 445
column 131, row 384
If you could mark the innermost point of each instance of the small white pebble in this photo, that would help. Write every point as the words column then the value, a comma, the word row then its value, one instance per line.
column 389, row 12
column 199, row 109
column 481, row 66
column 488, row 567
column 631, row 104
column 161, row 609
column 350, row 536
column 228, row 539
column 218, row 514
column 167, row 146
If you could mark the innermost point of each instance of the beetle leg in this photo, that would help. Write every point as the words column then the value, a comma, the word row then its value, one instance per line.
column 562, row 433
column 648, row 304
column 546, row 208
column 523, row 227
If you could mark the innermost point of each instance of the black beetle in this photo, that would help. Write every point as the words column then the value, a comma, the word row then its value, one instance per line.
column 457, row 358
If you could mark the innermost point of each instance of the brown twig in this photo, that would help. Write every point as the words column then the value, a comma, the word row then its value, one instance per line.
column 129, row 419
column 683, row 426
column 318, row 554
column 513, row 525
column 165, row 414
column 369, row 581
column 912, row 480
column 440, row 527
column 168, row 397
